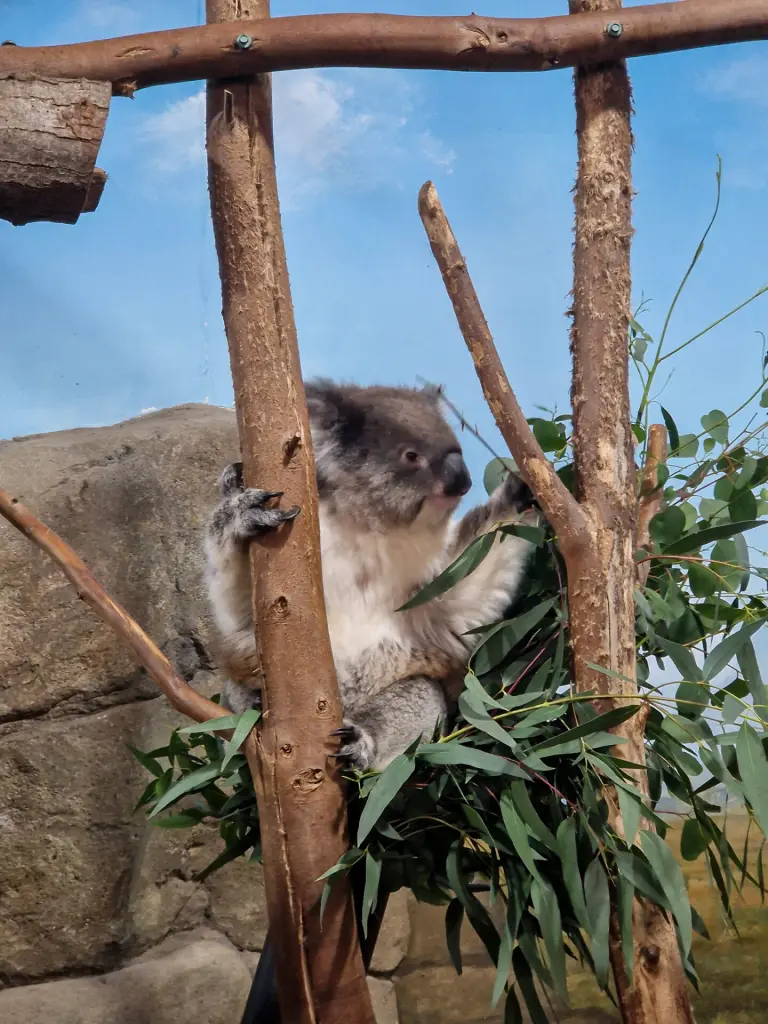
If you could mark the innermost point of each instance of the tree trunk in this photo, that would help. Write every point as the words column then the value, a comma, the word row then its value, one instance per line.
column 50, row 133
column 302, row 810
column 601, row 570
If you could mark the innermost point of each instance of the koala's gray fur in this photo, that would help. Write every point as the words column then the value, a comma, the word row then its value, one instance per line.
column 390, row 474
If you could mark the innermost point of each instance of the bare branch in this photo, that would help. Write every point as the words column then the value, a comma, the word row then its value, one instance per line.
column 182, row 697
column 651, row 494
column 558, row 504
column 471, row 43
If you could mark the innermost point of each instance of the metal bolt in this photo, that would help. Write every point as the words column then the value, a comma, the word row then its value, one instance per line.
column 614, row 29
column 243, row 41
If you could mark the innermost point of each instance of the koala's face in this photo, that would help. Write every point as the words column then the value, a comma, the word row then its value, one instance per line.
column 385, row 454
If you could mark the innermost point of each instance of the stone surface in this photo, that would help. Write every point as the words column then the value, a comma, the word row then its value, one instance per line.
column 85, row 882
column 392, row 943
column 203, row 981
column 383, row 1000
column 131, row 500
column 427, row 935
column 437, row 995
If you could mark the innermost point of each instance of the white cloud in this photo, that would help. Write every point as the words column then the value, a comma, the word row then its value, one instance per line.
column 348, row 127
column 741, row 79
column 176, row 136
column 741, row 82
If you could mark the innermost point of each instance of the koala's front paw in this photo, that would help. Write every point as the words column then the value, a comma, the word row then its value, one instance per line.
column 514, row 495
column 243, row 512
column 358, row 748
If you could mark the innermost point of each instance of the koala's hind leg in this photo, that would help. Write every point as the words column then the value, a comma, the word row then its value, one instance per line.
column 376, row 731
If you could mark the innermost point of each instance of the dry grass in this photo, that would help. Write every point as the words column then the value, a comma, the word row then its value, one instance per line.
column 733, row 969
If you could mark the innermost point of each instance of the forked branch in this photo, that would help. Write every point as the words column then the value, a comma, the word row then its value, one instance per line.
column 181, row 696
column 558, row 504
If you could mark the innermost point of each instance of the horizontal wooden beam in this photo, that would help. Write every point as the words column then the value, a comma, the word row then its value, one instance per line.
column 471, row 43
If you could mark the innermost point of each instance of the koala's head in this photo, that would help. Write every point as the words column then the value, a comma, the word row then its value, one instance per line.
column 385, row 454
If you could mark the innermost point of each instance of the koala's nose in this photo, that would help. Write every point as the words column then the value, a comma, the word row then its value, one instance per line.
column 455, row 476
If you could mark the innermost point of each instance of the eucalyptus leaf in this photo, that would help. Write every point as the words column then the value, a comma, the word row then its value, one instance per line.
column 599, row 909
column 454, row 917
column 524, row 979
column 667, row 526
column 567, row 849
column 671, row 880
column 674, row 436
column 494, row 648
column 683, row 660
column 458, row 570
column 387, row 786
column 720, row 656
column 517, row 832
column 753, row 769
column 371, row 890
column 503, row 966
column 609, row 720
column 247, row 721
column 495, row 473
column 550, row 922
column 693, row 541
column 453, row 752
column 693, row 839
column 187, row 784
column 716, row 425
column 750, row 669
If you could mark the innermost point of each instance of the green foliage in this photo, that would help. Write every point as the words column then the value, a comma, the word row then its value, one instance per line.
column 518, row 792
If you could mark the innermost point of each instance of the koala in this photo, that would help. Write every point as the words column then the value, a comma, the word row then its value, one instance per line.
column 390, row 474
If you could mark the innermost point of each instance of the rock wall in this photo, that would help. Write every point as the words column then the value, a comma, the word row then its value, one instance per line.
column 100, row 919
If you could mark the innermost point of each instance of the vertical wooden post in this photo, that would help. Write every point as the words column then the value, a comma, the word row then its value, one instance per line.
column 601, row 571
column 320, row 975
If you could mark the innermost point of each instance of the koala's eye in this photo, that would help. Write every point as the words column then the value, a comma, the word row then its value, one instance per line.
column 411, row 457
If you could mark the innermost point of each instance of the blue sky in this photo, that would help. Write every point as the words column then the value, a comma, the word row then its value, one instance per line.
column 121, row 312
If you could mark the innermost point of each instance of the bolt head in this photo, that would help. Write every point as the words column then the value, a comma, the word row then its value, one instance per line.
column 614, row 29
column 243, row 41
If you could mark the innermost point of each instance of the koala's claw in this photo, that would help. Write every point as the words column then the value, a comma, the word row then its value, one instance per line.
column 357, row 746
column 254, row 517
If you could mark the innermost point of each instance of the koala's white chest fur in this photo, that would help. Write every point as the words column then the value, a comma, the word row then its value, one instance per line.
column 367, row 576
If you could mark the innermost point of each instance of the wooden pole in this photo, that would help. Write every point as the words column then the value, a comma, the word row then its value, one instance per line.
column 469, row 43
column 302, row 810
column 601, row 574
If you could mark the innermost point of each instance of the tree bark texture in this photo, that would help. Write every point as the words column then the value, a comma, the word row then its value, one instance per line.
column 50, row 133
column 302, row 808
column 601, row 571
column 471, row 43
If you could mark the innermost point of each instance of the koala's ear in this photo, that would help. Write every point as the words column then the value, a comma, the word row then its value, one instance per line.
column 324, row 401
column 332, row 408
column 433, row 391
